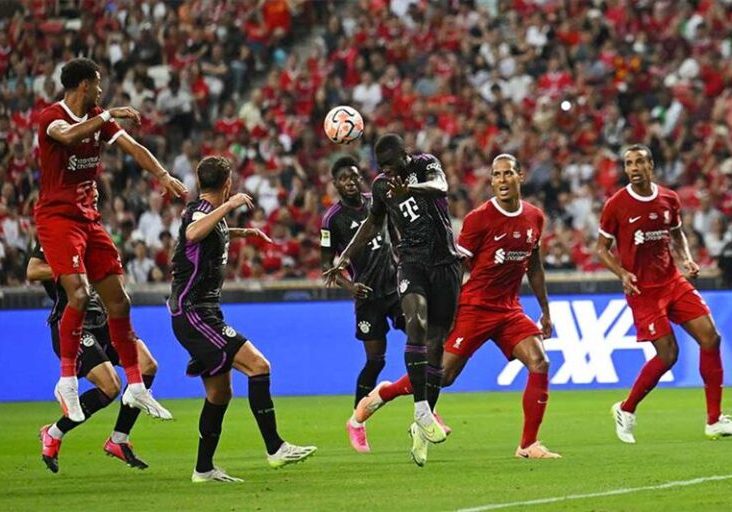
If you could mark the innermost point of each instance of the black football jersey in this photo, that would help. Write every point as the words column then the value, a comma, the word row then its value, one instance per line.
column 374, row 266
column 199, row 268
column 422, row 221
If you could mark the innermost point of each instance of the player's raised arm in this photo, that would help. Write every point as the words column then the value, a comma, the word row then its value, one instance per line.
column 204, row 223
column 358, row 290
column 537, row 281
column 436, row 184
column 147, row 161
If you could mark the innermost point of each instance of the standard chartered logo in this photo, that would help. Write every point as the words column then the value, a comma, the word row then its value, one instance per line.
column 641, row 237
column 500, row 256
column 638, row 237
column 587, row 341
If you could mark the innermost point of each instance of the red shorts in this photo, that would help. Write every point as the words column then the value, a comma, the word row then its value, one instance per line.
column 655, row 308
column 475, row 325
column 78, row 247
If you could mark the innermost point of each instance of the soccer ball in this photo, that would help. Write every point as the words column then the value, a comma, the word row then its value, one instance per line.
column 343, row 124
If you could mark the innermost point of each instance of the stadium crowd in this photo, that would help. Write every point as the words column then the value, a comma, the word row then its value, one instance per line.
column 563, row 85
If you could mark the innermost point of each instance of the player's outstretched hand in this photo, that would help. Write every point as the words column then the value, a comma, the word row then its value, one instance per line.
column 245, row 232
column 173, row 186
column 240, row 199
column 397, row 187
column 125, row 113
column 629, row 280
column 330, row 276
column 361, row 291
column 692, row 269
column 546, row 326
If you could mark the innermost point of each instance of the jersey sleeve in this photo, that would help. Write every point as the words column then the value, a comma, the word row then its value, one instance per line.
column 541, row 222
column 327, row 233
column 111, row 131
column 433, row 168
column 609, row 221
column 471, row 234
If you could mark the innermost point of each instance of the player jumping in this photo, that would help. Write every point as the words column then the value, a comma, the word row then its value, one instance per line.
column 501, row 238
column 199, row 266
column 75, row 243
column 412, row 192
column 372, row 281
column 644, row 220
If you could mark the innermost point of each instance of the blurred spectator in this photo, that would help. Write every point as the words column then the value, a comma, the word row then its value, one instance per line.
column 139, row 269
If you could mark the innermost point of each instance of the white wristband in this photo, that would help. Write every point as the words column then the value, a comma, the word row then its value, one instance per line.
column 106, row 116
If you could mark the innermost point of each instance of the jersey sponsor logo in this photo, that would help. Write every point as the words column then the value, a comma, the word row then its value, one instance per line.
column 228, row 331
column 497, row 238
column 364, row 326
column 587, row 338
column 324, row 238
column 633, row 219
column 409, row 209
column 502, row 256
column 640, row 237
column 87, row 340
column 79, row 164
column 458, row 342
column 403, row 285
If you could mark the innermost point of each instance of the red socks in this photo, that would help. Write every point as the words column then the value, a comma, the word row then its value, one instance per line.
column 69, row 331
column 124, row 341
column 536, row 396
column 710, row 367
column 647, row 379
column 398, row 388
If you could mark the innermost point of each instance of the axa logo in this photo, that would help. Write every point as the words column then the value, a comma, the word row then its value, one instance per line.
column 587, row 339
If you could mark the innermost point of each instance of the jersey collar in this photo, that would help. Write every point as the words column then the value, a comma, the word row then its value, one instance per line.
column 70, row 113
column 507, row 213
column 645, row 199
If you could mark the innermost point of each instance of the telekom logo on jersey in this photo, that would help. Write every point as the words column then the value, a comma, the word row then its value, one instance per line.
column 587, row 341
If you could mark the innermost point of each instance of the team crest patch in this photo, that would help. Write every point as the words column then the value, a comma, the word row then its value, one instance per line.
column 364, row 326
column 403, row 285
column 229, row 332
column 87, row 340
column 412, row 179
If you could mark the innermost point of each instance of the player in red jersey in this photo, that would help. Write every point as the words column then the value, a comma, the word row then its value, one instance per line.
column 501, row 238
column 75, row 243
column 644, row 220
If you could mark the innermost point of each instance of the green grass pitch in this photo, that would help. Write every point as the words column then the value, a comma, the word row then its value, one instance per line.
column 475, row 467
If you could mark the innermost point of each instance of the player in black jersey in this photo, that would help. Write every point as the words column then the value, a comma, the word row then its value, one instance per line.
column 96, row 361
column 372, row 281
column 199, row 265
column 412, row 192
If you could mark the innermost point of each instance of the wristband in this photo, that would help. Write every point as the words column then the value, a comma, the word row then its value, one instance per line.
column 106, row 116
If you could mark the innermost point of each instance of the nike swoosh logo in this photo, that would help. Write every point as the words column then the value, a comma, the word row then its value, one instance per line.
column 633, row 219
column 497, row 238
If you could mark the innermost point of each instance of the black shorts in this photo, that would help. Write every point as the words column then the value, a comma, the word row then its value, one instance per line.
column 211, row 343
column 95, row 348
column 372, row 317
column 440, row 285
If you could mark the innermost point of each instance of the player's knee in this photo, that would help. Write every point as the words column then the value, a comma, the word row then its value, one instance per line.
column 375, row 364
column 111, row 386
column 220, row 396
column 79, row 298
column 119, row 305
column 538, row 363
column 416, row 327
column 710, row 340
column 260, row 366
column 670, row 355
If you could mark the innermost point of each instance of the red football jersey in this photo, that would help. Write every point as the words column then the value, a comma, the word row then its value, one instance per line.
column 640, row 226
column 500, row 244
column 68, row 173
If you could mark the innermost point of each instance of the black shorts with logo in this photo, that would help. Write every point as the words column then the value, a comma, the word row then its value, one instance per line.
column 372, row 317
column 95, row 348
column 440, row 285
column 211, row 343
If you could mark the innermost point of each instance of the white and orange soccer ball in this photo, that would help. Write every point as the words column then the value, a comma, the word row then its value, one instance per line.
column 343, row 124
